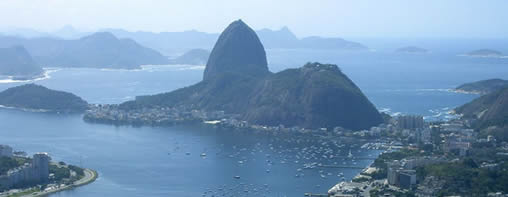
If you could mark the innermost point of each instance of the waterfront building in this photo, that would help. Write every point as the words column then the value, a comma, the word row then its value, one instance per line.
column 36, row 172
column 5, row 151
column 40, row 165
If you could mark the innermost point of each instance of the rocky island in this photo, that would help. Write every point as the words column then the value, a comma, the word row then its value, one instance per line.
column 17, row 63
column 485, row 53
column 238, row 86
column 192, row 57
column 33, row 97
column 412, row 50
column 482, row 87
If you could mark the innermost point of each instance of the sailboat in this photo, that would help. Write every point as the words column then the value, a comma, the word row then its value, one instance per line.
column 350, row 155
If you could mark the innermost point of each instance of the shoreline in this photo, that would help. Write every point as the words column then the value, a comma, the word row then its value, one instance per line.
column 90, row 176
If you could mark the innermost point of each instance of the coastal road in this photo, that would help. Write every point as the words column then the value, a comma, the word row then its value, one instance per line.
column 89, row 177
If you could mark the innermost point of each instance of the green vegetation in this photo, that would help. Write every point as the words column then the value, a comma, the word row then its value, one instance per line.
column 59, row 172
column 466, row 179
column 33, row 96
column 380, row 162
column 6, row 164
column 79, row 171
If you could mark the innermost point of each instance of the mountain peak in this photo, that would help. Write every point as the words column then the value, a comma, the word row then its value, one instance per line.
column 100, row 36
column 238, row 50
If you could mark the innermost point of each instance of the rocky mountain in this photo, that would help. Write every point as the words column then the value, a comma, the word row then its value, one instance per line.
column 237, row 81
column 489, row 110
column 483, row 87
column 192, row 57
column 313, row 95
column 99, row 50
column 39, row 98
column 412, row 50
column 238, row 51
column 16, row 61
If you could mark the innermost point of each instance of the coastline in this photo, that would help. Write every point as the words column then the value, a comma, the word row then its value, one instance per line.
column 43, row 76
column 90, row 176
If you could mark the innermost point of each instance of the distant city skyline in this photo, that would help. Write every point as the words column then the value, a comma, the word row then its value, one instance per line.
column 330, row 18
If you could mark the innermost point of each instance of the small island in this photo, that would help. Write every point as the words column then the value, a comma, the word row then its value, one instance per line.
column 482, row 87
column 412, row 50
column 38, row 176
column 485, row 53
column 192, row 57
column 32, row 97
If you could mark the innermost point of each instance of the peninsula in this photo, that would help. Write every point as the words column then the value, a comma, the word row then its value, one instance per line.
column 237, row 85
column 37, row 176
column 482, row 87
column 34, row 97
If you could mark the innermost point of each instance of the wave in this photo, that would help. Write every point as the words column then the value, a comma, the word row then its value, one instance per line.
column 44, row 76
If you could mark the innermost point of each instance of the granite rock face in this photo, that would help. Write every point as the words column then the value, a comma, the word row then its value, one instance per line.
column 238, row 50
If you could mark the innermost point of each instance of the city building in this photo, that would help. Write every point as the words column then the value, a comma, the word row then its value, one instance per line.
column 407, row 178
column 410, row 122
column 36, row 172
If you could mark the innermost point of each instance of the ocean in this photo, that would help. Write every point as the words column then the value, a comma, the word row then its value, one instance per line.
column 157, row 161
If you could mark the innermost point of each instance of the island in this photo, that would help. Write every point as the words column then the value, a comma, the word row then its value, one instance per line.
column 482, row 87
column 38, row 176
column 237, row 87
column 192, row 57
column 32, row 97
column 17, row 63
column 412, row 50
column 485, row 53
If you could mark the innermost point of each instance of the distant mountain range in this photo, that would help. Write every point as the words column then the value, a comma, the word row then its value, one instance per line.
column 18, row 63
column 168, row 42
column 237, row 80
column 99, row 50
column 175, row 42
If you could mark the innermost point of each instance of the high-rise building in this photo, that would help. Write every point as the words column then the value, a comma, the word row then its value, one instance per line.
column 40, row 165
column 410, row 122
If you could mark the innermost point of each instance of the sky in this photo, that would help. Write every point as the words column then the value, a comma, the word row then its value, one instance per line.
column 352, row 18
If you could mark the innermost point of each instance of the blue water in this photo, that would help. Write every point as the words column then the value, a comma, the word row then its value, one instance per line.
column 149, row 161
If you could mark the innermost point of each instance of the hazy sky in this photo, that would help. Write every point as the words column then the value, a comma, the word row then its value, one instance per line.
column 354, row 18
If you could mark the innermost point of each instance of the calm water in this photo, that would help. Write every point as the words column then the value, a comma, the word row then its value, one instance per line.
column 166, row 161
